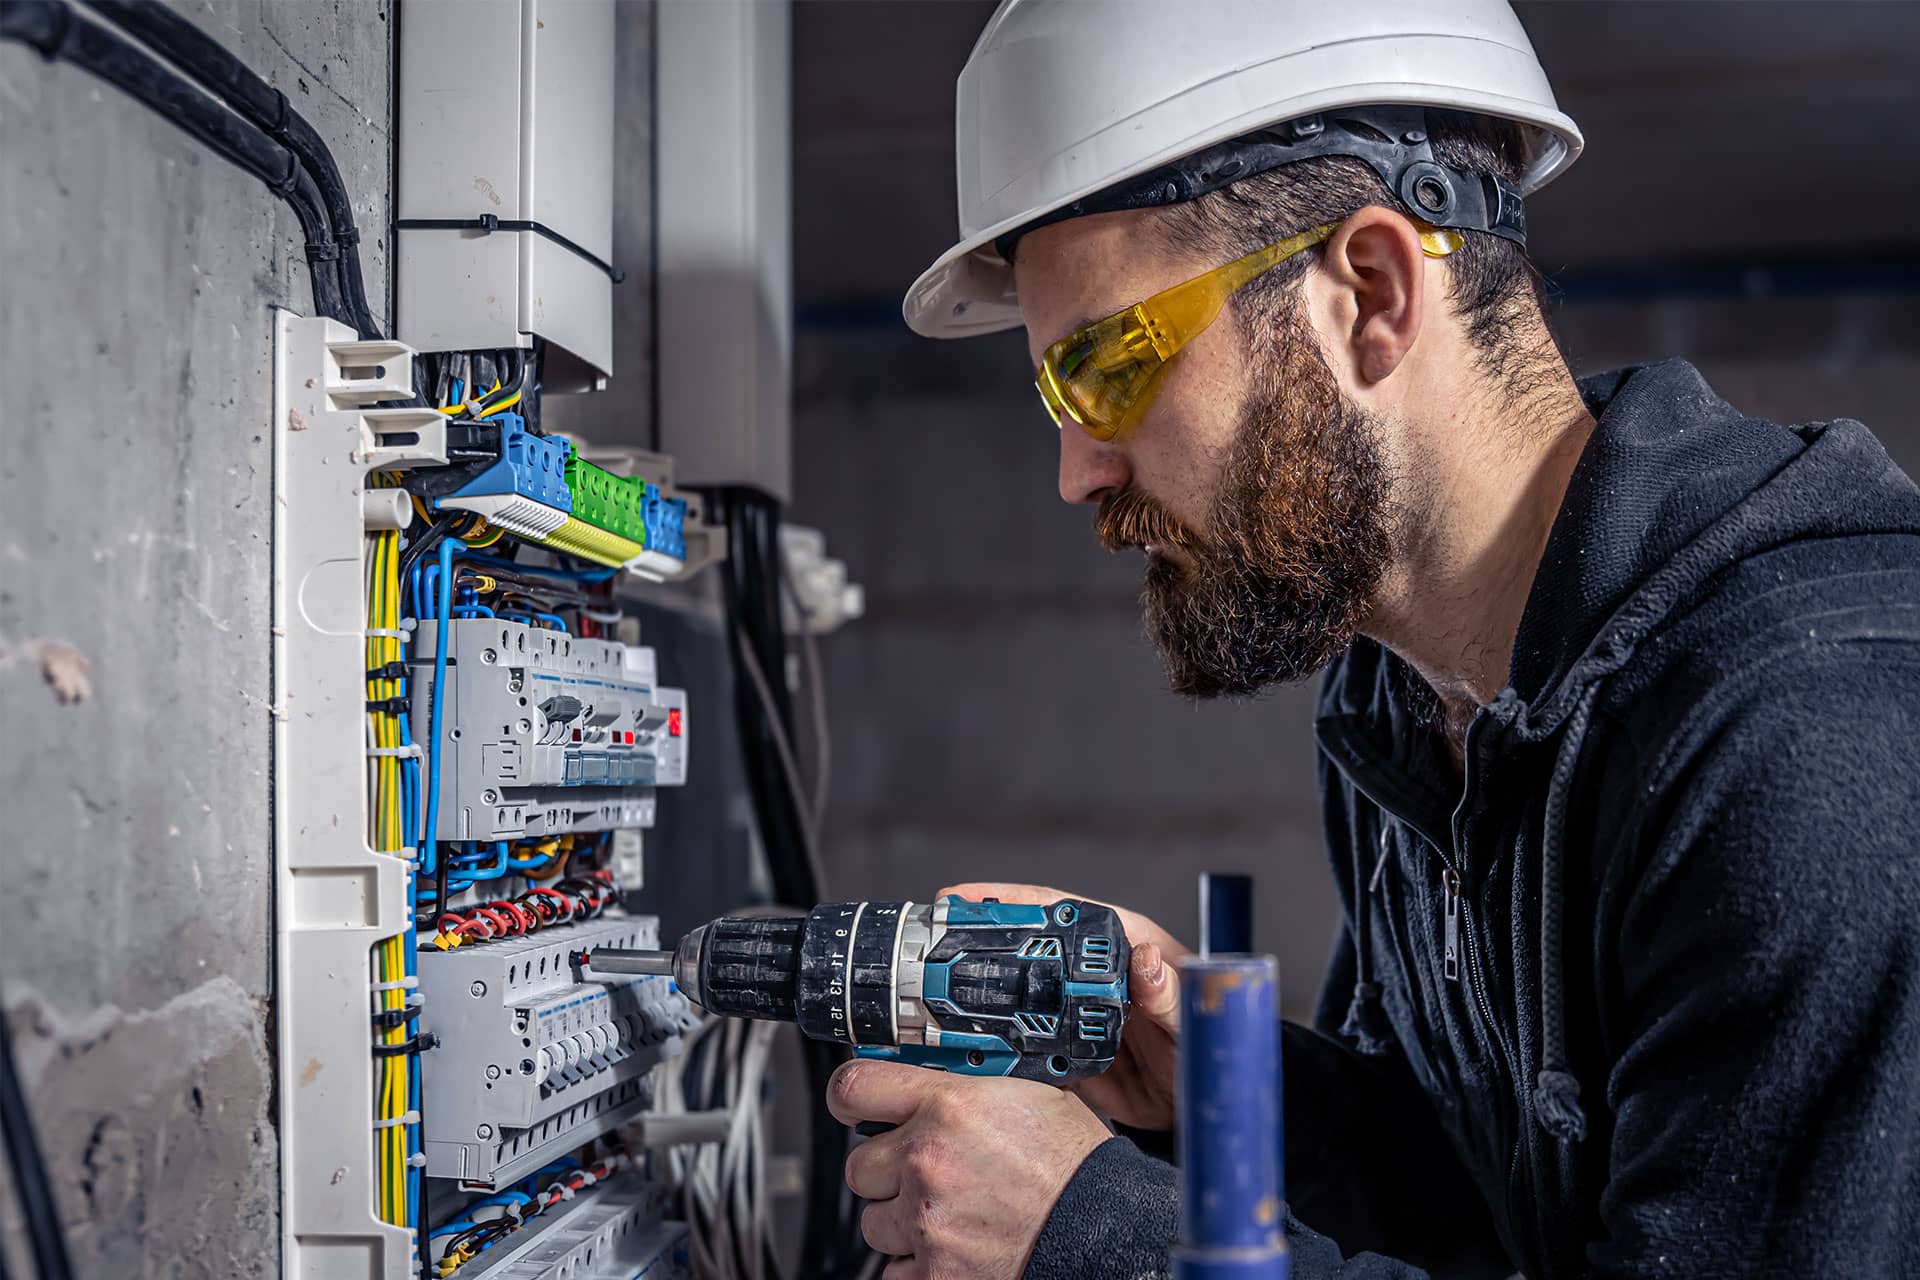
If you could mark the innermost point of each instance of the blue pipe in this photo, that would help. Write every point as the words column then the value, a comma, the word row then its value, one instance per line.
column 1232, row 1216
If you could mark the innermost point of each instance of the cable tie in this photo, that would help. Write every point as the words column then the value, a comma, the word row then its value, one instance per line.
column 411, row 1118
column 391, row 633
column 391, row 706
column 412, row 751
column 395, row 670
column 420, row 1043
column 404, row 984
column 388, row 1019
column 418, row 1160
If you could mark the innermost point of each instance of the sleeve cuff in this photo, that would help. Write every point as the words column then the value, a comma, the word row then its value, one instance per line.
column 1115, row 1220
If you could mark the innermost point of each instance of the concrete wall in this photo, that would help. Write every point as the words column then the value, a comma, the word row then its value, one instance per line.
column 137, row 274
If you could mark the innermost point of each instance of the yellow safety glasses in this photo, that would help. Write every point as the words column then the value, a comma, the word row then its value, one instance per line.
column 1103, row 376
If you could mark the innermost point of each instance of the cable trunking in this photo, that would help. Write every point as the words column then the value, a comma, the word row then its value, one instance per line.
column 540, row 735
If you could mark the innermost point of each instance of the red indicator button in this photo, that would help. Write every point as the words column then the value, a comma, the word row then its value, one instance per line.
column 629, row 737
column 673, row 722
column 576, row 735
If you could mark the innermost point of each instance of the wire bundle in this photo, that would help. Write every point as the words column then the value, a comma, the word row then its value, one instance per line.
column 394, row 788
column 789, row 830
column 723, row 1189
column 467, row 1237
column 576, row 898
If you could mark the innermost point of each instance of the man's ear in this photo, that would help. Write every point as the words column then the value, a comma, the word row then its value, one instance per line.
column 1375, row 262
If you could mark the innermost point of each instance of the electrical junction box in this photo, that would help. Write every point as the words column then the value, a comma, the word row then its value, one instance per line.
column 504, row 227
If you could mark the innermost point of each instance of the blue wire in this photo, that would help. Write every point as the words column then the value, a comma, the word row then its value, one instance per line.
column 494, row 872
column 558, row 623
column 444, row 607
column 472, row 611
column 575, row 575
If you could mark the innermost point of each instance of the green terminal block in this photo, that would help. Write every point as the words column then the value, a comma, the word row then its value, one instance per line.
column 606, row 501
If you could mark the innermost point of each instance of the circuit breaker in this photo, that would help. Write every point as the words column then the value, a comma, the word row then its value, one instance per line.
column 547, row 734
column 532, row 1060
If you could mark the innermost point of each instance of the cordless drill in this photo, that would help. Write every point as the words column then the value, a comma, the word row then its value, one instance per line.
column 981, row 988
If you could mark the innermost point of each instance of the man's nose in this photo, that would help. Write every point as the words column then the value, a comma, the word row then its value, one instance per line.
column 1089, row 468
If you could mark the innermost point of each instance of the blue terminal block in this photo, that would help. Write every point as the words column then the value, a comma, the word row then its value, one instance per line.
column 530, row 466
column 1232, row 1211
column 666, row 524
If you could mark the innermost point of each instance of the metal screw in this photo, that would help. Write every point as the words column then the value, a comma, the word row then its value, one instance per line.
column 489, row 796
column 525, row 726
column 1413, row 137
column 493, row 1072
column 483, row 1131
column 489, row 657
column 526, row 1066
column 478, row 988
column 515, row 681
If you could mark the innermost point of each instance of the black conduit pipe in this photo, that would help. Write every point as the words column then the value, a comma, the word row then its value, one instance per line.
column 51, row 27
column 209, row 61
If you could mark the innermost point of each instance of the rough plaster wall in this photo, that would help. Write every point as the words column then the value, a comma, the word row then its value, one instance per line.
column 137, row 273
column 998, row 714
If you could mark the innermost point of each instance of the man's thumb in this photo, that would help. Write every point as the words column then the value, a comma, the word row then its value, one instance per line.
column 1153, row 988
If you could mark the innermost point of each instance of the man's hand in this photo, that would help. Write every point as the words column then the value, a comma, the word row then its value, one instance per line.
column 1137, row 1089
column 962, row 1188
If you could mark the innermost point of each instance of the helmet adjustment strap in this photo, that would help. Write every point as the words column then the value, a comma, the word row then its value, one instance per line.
column 1392, row 140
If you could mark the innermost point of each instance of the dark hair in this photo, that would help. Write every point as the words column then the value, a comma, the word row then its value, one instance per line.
column 1494, row 285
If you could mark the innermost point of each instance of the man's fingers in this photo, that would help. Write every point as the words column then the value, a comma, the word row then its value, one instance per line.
column 886, row 1091
column 887, row 1229
column 873, row 1168
column 1139, row 929
column 1153, row 988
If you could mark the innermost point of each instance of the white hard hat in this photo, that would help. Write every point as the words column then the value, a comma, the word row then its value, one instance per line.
column 1063, row 99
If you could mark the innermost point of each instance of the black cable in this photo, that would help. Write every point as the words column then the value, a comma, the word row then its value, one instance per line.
column 426, row 541
column 31, row 1186
column 51, row 27
column 750, row 582
column 242, row 89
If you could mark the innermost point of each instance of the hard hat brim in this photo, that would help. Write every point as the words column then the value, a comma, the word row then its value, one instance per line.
column 969, row 290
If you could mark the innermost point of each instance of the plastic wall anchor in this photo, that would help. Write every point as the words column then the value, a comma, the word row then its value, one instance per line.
column 386, row 509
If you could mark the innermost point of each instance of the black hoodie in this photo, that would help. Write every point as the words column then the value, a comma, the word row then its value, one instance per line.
column 1679, row 1030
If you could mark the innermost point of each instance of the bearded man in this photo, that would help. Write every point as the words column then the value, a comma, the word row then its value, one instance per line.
column 1620, row 723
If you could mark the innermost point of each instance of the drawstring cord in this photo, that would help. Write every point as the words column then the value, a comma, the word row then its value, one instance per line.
column 1366, row 1021
column 1556, row 1099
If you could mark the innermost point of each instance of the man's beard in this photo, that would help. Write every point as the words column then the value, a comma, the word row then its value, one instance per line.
column 1298, row 536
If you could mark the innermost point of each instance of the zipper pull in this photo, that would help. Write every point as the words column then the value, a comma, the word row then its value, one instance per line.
column 1450, row 884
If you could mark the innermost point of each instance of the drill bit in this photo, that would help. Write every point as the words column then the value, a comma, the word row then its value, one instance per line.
column 619, row 960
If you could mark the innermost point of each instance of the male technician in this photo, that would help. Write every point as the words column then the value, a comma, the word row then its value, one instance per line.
column 1620, row 728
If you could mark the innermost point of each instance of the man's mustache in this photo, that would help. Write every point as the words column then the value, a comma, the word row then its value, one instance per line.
column 1129, row 518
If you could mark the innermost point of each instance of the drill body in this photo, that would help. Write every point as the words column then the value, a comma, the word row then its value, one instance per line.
column 980, row 988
